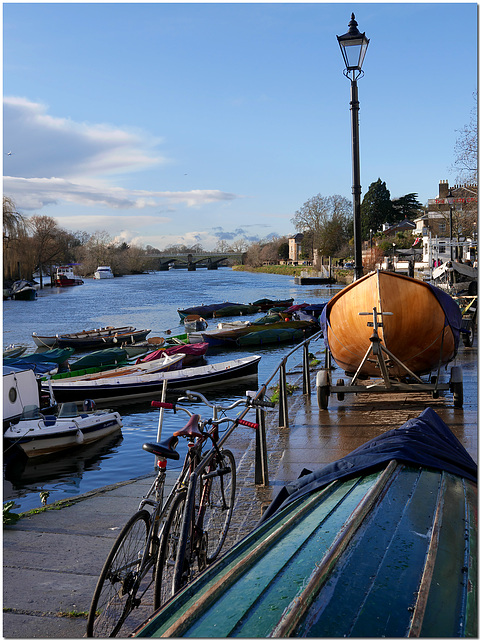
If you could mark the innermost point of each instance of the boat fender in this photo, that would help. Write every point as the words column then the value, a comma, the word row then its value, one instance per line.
column 456, row 374
column 79, row 437
column 322, row 378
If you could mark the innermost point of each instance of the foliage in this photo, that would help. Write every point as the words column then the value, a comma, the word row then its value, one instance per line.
column 275, row 396
column 8, row 516
column 406, row 206
column 325, row 222
column 376, row 208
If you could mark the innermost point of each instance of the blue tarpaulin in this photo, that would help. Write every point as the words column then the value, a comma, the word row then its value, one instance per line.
column 425, row 441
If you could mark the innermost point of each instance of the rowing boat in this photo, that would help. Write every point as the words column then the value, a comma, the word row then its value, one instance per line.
column 382, row 543
column 144, row 385
column 51, row 341
column 419, row 324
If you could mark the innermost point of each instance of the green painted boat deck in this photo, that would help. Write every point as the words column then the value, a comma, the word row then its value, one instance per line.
column 376, row 555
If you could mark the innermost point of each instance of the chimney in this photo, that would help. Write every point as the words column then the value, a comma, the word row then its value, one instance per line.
column 443, row 189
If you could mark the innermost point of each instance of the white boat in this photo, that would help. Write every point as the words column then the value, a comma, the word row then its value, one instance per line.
column 166, row 363
column 14, row 350
column 20, row 388
column 455, row 278
column 39, row 435
column 103, row 273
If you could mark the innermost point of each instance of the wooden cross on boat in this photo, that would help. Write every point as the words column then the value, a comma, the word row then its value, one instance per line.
column 378, row 349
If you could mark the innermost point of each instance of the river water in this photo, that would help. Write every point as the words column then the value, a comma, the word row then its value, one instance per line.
column 144, row 301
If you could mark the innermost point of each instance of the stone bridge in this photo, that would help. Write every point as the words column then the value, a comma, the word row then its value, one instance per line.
column 191, row 261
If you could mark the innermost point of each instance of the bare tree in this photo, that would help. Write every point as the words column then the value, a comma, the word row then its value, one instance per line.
column 466, row 149
column 325, row 219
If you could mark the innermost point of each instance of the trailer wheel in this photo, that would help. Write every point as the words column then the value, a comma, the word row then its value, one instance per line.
column 470, row 335
column 341, row 383
column 322, row 396
column 457, row 388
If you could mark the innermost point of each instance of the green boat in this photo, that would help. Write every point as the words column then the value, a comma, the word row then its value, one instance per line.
column 270, row 336
column 113, row 356
column 236, row 310
column 382, row 543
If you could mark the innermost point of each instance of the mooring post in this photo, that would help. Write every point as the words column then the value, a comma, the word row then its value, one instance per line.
column 283, row 400
column 306, row 372
column 261, row 457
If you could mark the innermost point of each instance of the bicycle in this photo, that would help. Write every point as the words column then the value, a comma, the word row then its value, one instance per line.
column 151, row 540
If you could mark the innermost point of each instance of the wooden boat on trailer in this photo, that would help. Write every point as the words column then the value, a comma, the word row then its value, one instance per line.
column 390, row 326
column 382, row 543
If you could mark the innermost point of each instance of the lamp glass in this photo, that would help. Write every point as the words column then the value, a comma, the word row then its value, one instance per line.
column 353, row 51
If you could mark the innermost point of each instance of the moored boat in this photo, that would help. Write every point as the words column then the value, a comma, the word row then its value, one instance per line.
column 419, row 324
column 207, row 310
column 103, row 273
column 192, row 352
column 228, row 337
column 21, row 388
column 14, row 350
column 102, row 339
column 51, row 341
column 132, row 387
column 382, row 543
column 23, row 290
column 194, row 322
column 165, row 363
column 65, row 277
column 270, row 336
column 38, row 435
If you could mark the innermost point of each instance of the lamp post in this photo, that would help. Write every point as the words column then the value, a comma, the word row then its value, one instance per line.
column 451, row 200
column 353, row 46
column 394, row 245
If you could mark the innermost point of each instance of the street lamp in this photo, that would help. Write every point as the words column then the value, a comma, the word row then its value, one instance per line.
column 353, row 46
column 394, row 245
column 450, row 199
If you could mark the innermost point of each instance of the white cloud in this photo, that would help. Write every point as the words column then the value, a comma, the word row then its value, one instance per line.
column 56, row 160
column 35, row 193
column 44, row 146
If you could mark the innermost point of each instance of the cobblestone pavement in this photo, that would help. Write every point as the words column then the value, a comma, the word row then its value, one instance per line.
column 52, row 559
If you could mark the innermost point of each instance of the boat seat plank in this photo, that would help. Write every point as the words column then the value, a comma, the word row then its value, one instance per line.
column 397, row 536
column 448, row 583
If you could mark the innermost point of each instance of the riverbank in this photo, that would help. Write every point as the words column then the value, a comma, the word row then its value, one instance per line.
column 342, row 276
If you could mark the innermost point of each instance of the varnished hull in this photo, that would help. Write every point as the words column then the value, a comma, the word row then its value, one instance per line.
column 420, row 332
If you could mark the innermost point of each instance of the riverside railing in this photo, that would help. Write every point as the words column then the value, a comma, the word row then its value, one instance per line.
column 261, row 457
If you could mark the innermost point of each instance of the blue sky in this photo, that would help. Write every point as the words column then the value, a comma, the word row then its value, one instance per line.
column 166, row 123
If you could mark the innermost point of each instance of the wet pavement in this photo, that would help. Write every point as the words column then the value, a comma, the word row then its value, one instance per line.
column 52, row 559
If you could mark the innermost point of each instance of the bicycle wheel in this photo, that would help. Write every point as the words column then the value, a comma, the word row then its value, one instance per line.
column 217, row 489
column 114, row 596
column 168, row 551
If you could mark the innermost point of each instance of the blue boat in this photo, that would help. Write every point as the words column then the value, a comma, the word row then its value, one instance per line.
column 382, row 543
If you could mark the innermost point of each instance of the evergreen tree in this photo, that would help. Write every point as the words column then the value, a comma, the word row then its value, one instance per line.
column 376, row 208
column 406, row 206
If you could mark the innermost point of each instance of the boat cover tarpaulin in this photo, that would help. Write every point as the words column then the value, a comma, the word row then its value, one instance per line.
column 425, row 441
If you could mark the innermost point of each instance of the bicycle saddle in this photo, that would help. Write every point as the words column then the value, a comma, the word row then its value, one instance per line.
column 165, row 449
column 190, row 430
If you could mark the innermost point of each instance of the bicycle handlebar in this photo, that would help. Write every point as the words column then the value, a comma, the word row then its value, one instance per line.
column 249, row 401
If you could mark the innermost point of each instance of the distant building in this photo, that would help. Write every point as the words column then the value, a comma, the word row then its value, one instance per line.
column 403, row 225
column 433, row 228
column 295, row 247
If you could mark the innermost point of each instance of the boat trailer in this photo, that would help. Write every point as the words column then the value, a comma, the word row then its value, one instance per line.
column 379, row 352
